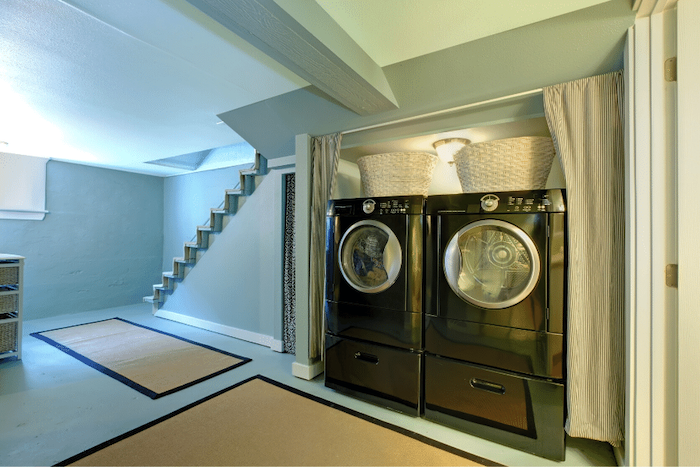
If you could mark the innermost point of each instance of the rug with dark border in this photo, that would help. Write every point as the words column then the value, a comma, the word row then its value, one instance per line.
column 153, row 362
column 260, row 421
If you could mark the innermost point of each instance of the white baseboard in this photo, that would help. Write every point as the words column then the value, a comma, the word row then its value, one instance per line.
column 242, row 334
column 307, row 372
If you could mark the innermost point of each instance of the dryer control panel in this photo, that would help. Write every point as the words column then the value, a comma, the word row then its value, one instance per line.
column 498, row 202
column 379, row 206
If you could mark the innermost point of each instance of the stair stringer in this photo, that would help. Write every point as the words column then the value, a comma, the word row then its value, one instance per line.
column 234, row 199
column 233, row 290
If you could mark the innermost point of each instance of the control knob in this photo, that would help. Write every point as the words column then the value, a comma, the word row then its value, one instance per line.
column 489, row 202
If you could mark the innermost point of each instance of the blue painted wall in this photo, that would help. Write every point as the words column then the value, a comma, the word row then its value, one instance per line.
column 236, row 286
column 100, row 246
column 187, row 201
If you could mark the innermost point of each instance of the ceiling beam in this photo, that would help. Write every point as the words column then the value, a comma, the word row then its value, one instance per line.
column 318, row 50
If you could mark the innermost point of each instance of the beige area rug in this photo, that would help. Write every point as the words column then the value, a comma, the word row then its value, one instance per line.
column 153, row 362
column 262, row 422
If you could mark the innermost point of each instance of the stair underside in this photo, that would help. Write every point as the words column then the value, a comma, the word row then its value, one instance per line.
column 233, row 200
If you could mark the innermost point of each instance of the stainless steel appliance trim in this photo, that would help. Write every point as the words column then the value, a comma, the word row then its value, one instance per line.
column 453, row 260
column 392, row 257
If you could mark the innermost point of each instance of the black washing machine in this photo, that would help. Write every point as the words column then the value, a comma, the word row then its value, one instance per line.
column 495, row 317
column 374, row 300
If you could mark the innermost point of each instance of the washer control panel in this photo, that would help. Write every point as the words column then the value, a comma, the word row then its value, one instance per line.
column 528, row 204
column 394, row 206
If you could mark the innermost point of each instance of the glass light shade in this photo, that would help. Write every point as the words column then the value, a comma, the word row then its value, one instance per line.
column 446, row 148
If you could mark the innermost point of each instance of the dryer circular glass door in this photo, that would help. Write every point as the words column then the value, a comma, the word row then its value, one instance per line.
column 491, row 264
column 370, row 256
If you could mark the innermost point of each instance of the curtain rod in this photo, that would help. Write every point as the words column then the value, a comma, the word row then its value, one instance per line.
column 445, row 111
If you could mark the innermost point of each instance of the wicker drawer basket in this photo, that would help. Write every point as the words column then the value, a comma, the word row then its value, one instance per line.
column 9, row 276
column 8, row 337
column 505, row 165
column 9, row 303
column 397, row 173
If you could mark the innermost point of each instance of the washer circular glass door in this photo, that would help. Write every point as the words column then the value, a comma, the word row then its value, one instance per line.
column 370, row 256
column 491, row 264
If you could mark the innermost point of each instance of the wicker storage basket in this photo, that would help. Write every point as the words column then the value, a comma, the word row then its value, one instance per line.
column 8, row 303
column 397, row 173
column 505, row 165
column 9, row 276
column 8, row 337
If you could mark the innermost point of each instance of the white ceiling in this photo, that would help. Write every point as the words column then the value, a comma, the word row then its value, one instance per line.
column 120, row 83
column 391, row 31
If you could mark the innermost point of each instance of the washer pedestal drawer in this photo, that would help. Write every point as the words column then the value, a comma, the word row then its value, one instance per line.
column 382, row 375
column 525, row 413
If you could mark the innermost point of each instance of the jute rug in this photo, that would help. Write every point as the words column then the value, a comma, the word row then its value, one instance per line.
column 153, row 362
column 263, row 422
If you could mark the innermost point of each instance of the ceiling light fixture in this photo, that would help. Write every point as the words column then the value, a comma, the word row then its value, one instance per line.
column 446, row 148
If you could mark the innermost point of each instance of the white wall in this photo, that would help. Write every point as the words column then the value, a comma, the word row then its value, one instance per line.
column 347, row 181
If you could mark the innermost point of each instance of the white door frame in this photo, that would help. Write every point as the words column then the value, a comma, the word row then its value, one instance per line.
column 688, row 231
column 651, row 241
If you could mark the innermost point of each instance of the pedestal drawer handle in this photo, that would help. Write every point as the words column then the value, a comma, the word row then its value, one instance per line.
column 487, row 386
column 366, row 357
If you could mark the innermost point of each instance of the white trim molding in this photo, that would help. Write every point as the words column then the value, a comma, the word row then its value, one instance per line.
column 281, row 162
column 688, row 228
column 307, row 372
column 242, row 334
column 652, row 227
column 646, row 8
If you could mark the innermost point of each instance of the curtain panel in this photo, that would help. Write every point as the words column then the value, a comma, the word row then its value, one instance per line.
column 325, row 153
column 585, row 120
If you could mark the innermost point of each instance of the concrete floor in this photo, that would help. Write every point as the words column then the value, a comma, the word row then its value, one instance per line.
column 52, row 406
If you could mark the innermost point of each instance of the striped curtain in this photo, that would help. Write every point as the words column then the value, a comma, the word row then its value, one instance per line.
column 585, row 120
column 325, row 153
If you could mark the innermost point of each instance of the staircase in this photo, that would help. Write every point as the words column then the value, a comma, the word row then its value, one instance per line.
column 233, row 200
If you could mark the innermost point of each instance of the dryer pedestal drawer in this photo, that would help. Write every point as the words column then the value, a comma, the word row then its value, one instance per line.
column 525, row 413
column 383, row 375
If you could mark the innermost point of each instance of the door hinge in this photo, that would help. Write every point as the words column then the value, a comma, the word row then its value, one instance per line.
column 672, row 275
column 670, row 69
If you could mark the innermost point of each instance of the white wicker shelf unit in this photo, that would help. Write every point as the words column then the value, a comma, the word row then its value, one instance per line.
column 11, row 273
